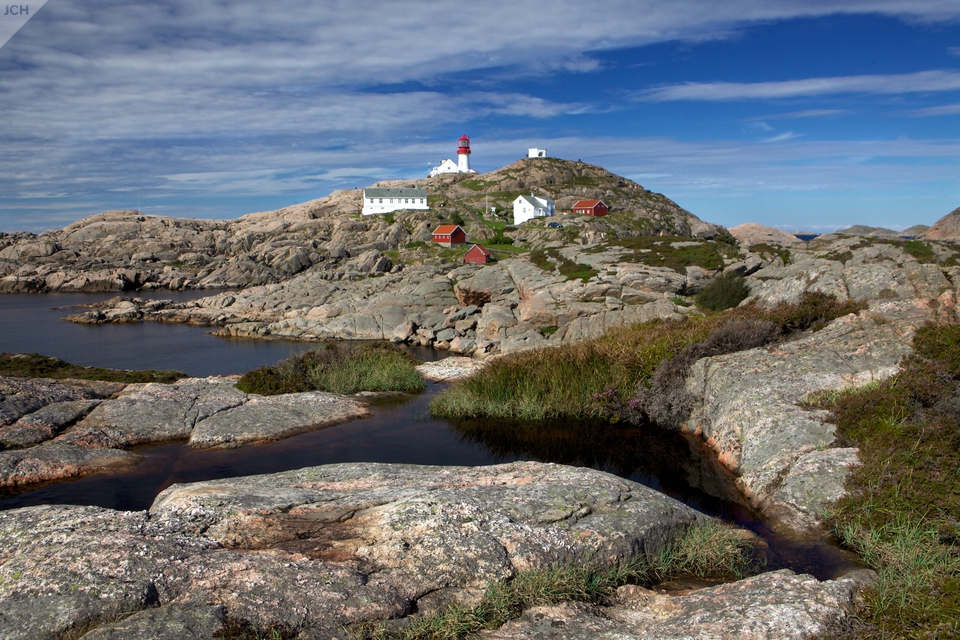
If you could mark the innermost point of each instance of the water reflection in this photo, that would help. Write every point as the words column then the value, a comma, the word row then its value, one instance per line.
column 663, row 460
column 679, row 466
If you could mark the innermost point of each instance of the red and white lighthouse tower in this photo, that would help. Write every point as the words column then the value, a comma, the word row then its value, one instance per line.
column 463, row 154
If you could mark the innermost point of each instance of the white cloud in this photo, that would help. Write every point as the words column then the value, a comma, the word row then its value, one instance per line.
column 783, row 137
column 806, row 113
column 923, row 81
column 943, row 110
column 247, row 97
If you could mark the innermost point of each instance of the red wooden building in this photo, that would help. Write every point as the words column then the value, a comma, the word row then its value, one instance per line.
column 591, row 208
column 478, row 254
column 448, row 235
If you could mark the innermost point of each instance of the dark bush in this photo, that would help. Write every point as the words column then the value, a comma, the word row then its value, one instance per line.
column 813, row 312
column 723, row 292
column 666, row 401
column 940, row 343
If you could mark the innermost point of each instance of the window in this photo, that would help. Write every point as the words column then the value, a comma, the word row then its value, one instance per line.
column 381, row 200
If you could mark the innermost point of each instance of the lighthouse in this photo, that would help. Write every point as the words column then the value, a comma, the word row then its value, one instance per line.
column 462, row 165
column 463, row 154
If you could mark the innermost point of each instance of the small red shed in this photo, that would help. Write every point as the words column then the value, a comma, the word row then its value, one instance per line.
column 449, row 235
column 591, row 207
column 478, row 254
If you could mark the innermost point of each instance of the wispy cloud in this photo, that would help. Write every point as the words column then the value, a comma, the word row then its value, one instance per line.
column 783, row 137
column 943, row 110
column 923, row 81
column 806, row 113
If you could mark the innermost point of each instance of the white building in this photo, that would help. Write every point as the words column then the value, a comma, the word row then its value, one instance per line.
column 529, row 207
column 536, row 153
column 383, row 200
column 462, row 165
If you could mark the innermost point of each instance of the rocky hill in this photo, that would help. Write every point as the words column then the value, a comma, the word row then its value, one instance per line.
column 124, row 250
column 946, row 228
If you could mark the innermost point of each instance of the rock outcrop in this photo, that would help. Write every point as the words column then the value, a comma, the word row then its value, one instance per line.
column 946, row 228
column 58, row 430
column 747, row 404
column 317, row 550
column 749, row 234
column 779, row 604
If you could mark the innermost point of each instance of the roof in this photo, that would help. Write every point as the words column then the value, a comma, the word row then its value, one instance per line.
column 399, row 192
column 587, row 204
column 536, row 201
column 446, row 229
column 482, row 249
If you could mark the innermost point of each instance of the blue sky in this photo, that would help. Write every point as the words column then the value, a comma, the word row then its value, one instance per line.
column 804, row 115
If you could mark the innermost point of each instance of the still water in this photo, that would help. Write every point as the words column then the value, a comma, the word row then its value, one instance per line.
column 401, row 431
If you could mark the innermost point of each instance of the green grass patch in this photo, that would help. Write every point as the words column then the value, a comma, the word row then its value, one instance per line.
column 579, row 582
column 902, row 503
column 657, row 251
column 34, row 365
column 922, row 251
column 338, row 368
column 551, row 259
column 771, row 250
column 495, row 225
column 597, row 378
column 506, row 248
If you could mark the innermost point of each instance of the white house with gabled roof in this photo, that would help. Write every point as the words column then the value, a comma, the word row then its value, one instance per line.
column 384, row 200
column 530, row 207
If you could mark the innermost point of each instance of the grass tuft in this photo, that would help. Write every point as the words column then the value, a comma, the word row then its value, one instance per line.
column 338, row 368
column 580, row 582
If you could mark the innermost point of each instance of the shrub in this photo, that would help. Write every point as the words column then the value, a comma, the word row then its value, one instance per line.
column 340, row 369
column 666, row 401
column 723, row 292
column 812, row 312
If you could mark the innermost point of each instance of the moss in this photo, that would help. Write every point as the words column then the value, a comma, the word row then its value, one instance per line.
column 34, row 365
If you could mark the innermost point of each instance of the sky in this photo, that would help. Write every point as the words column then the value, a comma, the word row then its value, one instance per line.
column 806, row 115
